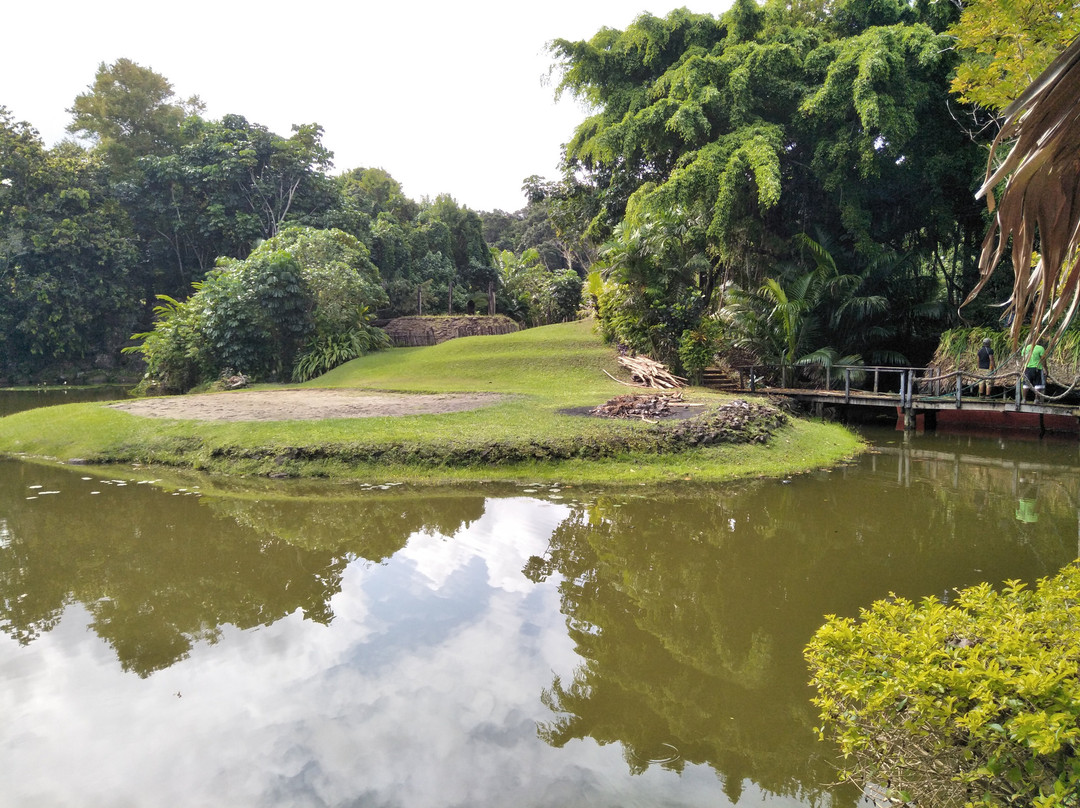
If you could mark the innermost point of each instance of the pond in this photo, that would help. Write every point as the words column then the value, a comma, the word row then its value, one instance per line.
column 12, row 400
column 373, row 645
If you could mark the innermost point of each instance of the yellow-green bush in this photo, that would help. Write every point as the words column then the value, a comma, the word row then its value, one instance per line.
column 974, row 703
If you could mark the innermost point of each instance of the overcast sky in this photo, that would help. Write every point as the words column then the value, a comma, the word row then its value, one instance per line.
column 449, row 97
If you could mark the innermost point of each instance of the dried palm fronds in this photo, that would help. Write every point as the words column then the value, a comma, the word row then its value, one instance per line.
column 1041, row 196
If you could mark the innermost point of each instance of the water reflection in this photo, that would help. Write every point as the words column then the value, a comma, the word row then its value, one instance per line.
column 691, row 613
column 12, row 401
column 480, row 646
column 158, row 574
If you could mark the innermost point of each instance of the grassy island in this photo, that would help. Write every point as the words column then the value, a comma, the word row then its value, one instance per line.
column 531, row 423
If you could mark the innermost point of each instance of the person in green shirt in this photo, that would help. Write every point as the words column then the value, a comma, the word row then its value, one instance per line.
column 1033, row 357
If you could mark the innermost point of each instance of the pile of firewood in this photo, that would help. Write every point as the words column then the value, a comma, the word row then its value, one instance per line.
column 648, row 373
column 647, row 408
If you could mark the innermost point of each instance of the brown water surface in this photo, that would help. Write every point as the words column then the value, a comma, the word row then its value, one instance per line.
column 504, row 645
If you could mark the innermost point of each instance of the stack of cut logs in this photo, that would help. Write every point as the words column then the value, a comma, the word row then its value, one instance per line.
column 648, row 373
column 643, row 407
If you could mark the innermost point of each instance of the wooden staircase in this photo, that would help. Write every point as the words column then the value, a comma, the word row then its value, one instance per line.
column 721, row 379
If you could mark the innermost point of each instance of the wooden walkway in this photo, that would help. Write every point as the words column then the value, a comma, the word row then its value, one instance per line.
column 910, row 402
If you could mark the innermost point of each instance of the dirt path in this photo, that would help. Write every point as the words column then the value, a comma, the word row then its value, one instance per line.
column 292, row 405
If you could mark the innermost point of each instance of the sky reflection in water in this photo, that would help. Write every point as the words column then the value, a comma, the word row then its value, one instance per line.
column 463, row 649
column 422, row 691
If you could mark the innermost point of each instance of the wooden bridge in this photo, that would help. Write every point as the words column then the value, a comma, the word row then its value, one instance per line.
column 920, row 395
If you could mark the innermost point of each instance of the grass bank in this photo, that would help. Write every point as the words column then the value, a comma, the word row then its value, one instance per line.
column 527, row 436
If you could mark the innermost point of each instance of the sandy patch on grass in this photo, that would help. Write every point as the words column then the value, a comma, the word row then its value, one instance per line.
column 293, row 405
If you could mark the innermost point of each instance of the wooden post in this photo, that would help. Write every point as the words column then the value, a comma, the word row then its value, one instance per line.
column 419, row 301
column 450, row 299
column 877, row 372
column 847, row 385
column 959, row 387
column 491, row 297
column 1019, row 391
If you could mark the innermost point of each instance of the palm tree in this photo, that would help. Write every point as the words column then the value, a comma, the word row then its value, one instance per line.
column 786, row 322
column 1041, row 200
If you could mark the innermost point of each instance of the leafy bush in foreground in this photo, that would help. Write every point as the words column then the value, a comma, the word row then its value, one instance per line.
column 976, row 703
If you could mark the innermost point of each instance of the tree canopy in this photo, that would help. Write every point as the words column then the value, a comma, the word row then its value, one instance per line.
column 65, row 253
column 1007, row 44
column 777, row 120
column 740, row 136
column 131, row 112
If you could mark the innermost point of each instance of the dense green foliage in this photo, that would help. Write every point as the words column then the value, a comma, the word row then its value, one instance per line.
column 91, row 235
column 779, row 120
column 65, row 254
column 1007, row 44
column 658, row 281
column 300, row 299
column 975, row 702
column 534, row 294
column 130, row 112
column 735, row 136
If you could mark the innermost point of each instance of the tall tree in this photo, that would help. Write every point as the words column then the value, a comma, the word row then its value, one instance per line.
column 568, row 205
column 374, row 191
column 769, row 126
column 65, row 254
column 778, row 119
column 131, row 112
column 233, row 184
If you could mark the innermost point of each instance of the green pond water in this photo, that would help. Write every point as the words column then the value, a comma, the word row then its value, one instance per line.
column 375, row 645
column 12, row 401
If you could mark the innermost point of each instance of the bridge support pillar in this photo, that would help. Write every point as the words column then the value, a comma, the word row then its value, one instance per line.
column 909, row 419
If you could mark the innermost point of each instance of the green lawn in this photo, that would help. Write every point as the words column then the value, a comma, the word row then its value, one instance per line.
column 541, row 371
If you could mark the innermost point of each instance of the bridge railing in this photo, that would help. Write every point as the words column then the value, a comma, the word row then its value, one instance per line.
column 907, row 382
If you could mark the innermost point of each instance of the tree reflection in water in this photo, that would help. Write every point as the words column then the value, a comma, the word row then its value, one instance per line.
column 688, row 607
column 158, row 574
column 691, row 612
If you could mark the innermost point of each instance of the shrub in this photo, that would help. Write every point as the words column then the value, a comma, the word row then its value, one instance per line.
column 303, row 287
column 698, row 347
column 174, row 351
column 325, row 352
column 975, row 703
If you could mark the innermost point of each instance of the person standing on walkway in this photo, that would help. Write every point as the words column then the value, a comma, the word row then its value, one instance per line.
column 986, row 367
column 1033, row 357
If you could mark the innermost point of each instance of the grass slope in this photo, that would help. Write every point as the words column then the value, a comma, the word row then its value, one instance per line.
column 542, row 370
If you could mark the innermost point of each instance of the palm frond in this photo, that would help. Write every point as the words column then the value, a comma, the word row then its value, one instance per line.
column 1041, row 199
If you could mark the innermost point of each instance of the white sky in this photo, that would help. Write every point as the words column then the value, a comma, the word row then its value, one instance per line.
column 448, row 97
